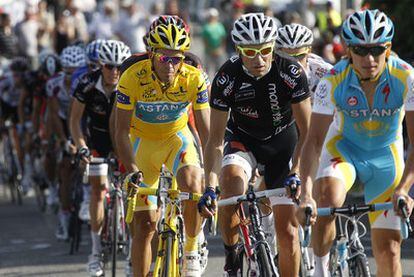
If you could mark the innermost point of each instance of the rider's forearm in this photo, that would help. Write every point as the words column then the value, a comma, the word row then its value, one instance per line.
column 77, row 135
column 310, row 161
column 297, row 155
column 407, row 178
column 212, row 163
column 125, row 151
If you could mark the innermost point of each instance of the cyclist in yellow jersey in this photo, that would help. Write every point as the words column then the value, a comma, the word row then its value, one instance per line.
column 151, row 128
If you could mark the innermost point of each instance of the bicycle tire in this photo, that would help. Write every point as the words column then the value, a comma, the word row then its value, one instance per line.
column 360, row 267
column 40, row 197
column 19, row 192
column 167, row 256
column 263, row 261
column 114, row 239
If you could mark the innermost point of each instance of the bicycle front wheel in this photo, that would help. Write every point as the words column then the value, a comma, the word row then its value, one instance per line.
column 264, row 261
column 115, row 224
column 166, row 265
column 359, row 267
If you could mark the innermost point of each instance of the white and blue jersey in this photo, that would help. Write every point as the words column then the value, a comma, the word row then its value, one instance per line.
column 364, row 141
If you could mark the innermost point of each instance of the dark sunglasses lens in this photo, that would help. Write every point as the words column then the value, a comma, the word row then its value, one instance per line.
column 111, row 66
column 377, row 50
column 173, row 60
column 363, row 51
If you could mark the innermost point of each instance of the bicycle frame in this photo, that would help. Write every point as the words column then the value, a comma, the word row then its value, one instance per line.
column 170, row 225
column 251, row 229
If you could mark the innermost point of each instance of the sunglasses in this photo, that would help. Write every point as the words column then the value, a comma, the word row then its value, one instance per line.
column 252, row 52
column 174, row 60
column 111, row 66
column 374, row 50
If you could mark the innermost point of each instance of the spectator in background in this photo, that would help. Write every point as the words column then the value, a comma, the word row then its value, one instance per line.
column 8, row 39
column 236, row 10
column 157, row 8
column 27, row 34
column 214, row 37
column 329, row 20
column 71, row 26
column 132, row 25
column 103, row 22
column 46, row 26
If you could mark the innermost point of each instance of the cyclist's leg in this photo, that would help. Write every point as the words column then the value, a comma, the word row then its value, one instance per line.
column 286, row 225
column 237, row 166
column 336, row 175
column 148, row 156
column 386, row 167
column 98, row 181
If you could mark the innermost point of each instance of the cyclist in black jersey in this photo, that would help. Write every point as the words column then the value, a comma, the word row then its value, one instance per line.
column 266, row 94
column 95, row 95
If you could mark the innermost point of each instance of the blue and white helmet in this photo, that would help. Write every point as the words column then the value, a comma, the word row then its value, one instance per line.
column 92, row 50
column 113, row 52
column 367, row 27
column 73, row 56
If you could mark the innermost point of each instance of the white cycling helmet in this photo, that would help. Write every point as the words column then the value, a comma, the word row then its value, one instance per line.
column 113, row 52
column 367, row 27
column 254, row 28
column 294, row 36
column 73, row 56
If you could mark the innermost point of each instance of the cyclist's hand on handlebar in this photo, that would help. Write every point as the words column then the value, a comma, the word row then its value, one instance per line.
column 401, row 194
column 292, row 185
column 84, row 154
column 207, row 204
column 301, row 214
column 133, row 180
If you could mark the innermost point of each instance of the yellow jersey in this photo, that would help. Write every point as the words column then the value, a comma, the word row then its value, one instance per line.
column 160, row 113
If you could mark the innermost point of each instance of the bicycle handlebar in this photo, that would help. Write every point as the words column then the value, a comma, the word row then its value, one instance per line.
column 257, row 195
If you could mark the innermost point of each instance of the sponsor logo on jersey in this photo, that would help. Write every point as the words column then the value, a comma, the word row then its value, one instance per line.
column 222, row 80
column 248, row 111
column 219, row 103
column 295, row 70
column 202, row 97
column 335, row 161
column 142, row 72
column 290, row 82
column 332, row 71
column 244, row 95
column 228, row 89
column 374, row 112
column 352, row 101
column 161, row 107
column 149, row 93
column 274, row 105
column 245, row 85
column 322, row 90
column 299, row 93
column 386, row 92
column 122, row 98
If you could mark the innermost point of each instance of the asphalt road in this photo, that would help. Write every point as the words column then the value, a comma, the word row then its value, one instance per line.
column 28, row 246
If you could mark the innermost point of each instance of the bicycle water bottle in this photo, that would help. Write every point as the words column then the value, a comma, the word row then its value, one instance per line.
column 343, row 253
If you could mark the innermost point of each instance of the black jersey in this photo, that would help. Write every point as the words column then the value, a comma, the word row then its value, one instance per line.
column 260, row 108
column 98, row 107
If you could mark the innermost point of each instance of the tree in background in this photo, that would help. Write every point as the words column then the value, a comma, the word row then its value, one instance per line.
column 400, row 13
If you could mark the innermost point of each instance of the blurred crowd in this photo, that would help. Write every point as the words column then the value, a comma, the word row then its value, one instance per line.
column 28, row 27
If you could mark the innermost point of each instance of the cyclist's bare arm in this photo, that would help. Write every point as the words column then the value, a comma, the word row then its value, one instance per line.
column 123, row 145
column 319, row 126
column 53, row 114
column 202, row 120
column 20, row 107
column 74, row 123
column 302, row 113
column 36, row 107
column 213, row 152
column 408, row 174
column 112, row 128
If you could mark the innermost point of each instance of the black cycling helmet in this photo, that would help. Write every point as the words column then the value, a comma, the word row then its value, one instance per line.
column 19, row 64
column 51, row 65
